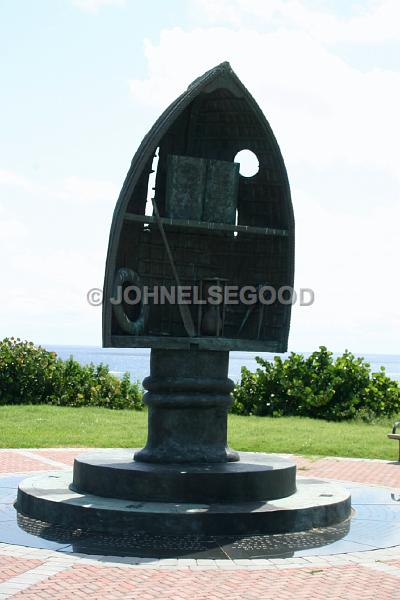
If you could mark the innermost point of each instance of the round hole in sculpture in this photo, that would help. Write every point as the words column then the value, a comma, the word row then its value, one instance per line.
column 249, row 164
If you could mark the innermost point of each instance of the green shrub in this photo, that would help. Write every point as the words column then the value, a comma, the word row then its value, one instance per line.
column 318, row 387
column 30, row 374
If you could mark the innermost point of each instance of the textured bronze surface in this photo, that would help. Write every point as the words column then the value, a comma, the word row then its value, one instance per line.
column 218, row 224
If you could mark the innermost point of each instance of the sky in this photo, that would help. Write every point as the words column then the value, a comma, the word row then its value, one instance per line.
column 82, row 81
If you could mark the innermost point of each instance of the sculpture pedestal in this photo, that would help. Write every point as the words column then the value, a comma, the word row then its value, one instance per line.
column 51, row 498
column 255, row 478
column 186, row 480
column 188, row 398
column 186, row 458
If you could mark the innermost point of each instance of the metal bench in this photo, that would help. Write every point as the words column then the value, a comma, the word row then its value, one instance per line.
column 394, row 435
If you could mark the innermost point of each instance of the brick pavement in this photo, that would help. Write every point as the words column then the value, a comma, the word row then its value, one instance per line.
column 12, row 461
column 10, row 566
column 33, row 574
column 375, row 472
column 64, row 455
column 112, row 583
column 394, row 563
column 32, row 460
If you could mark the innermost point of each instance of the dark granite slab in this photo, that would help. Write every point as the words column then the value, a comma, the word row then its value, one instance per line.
column 375, row 524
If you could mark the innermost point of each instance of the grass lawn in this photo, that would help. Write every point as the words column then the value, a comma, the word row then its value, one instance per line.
column 52, row 426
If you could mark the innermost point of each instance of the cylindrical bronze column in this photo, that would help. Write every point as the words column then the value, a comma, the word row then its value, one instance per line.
column 188, row 397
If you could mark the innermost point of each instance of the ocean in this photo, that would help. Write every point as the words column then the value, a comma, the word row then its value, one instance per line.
column 136, row 360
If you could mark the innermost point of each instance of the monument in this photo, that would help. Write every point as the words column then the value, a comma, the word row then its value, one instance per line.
column 200, row 262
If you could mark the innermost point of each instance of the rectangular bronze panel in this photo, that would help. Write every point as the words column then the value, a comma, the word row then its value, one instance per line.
column 202, row 190
column 186, row 177
column 220, row 199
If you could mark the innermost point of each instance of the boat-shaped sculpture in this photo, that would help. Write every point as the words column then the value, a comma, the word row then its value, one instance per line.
column 213, row 234
column 187, row 217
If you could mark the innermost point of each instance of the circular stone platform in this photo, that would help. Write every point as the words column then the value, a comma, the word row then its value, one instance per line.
column 50, row 498
column 114, row 474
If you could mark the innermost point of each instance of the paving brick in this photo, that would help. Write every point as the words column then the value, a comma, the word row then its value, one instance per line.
column 112, row 583
column 11, row 566
column 394, row 563
column 65, row 455
column 13, row 462
column 359, row 471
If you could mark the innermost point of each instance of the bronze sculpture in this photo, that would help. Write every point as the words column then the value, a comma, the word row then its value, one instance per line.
column 218, row 224
column 210, row 229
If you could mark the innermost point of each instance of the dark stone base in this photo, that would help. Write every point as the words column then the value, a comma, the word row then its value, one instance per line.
column 50, row 498
column 113, row 474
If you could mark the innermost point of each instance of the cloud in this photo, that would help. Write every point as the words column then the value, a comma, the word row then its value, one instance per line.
column 12, row 232
column 322, row 109
column 370, row 22
column 70, row 189
column 93, row 6
column 349, row 261
column 53, row 243
column 79, row 189
column 13, row 179
column 43, row 295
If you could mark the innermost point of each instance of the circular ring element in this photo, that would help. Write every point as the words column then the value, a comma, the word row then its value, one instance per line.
column 123, row 276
